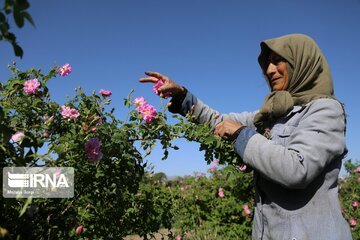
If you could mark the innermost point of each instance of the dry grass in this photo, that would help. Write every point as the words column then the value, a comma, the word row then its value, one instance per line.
column 162, row 234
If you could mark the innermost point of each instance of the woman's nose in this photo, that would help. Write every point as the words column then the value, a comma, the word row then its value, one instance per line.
column 271, row 69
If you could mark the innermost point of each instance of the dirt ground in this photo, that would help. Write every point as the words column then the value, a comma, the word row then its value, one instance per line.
column 158, row 236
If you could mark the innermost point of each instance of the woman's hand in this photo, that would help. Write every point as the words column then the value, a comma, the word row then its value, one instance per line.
column 169, row 88
column 226, row 128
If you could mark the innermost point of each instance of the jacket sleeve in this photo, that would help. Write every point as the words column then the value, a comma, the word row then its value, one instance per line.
column 314, row 143
column 204, row 114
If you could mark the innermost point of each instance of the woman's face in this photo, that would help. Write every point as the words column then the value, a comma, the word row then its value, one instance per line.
column 277, row 72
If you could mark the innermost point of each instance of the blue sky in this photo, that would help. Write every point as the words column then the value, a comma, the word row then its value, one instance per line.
column 209, row 46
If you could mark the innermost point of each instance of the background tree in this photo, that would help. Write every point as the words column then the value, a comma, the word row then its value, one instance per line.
column 18, row 9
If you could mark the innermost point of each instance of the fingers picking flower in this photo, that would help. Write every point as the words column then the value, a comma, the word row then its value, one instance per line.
column 105, row 93
column 156, row 87
column 31, row 86
column 64, row 70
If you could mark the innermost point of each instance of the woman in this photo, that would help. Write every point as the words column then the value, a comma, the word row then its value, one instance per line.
column 295, row 142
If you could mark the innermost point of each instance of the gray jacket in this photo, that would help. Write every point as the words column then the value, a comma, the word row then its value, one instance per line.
column 296, row 171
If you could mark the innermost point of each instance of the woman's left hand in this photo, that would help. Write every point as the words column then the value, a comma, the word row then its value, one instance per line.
column 226, row 128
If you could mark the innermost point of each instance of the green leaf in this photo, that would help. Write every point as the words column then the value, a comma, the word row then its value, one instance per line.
column 18, row 50
column 19, row 19
column 24, row 208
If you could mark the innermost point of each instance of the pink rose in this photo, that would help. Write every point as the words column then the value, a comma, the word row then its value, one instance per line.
column 31, row 86
column 156, row 87
column 355, row 204
column 357, row 170
column 178, row 237
column 352, row 222
column 139, row 101
column 92, row 149
column 246, row 209
column 69, row 113
column 18, row 137
column 105, row 93
column 242, row 167
column 221, row 193
column 57, row 173
column 148, row 112
column 212, row 169
column 64, row 70
column 79, row 230
column 198, row 175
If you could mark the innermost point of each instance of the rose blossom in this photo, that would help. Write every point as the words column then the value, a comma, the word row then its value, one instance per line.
column 79, row 230
column 357, row 170
column 156, row 87
column 242, row 167
column 31, row 86
column 352, row 222
column 139, row 101
column 18, row 137
column 355, row 204
column 342, row 211
column 69, row 113
column 92, row 149
column 105, row 93
column 178, row 237
column 246, row 209
column 148, row 112
column 64, row 70
column 198, row 175
column 221, row 193
column 57, row 173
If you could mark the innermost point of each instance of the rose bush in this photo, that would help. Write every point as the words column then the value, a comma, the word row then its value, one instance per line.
column 217, row 204
column 350, row 196
column 106, row 153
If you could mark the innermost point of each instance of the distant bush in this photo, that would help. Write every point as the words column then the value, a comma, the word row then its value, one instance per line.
column 350, row 196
